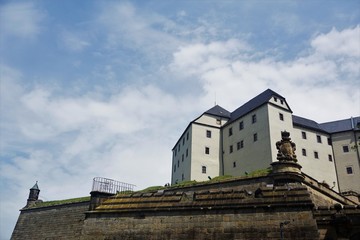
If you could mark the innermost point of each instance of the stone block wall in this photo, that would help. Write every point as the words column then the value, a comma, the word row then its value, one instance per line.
column 250, row 224
column 50, row 223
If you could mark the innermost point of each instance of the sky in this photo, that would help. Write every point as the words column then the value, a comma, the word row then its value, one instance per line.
column 105, row 88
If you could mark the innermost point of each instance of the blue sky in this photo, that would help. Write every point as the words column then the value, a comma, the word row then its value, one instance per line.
column 104, row 88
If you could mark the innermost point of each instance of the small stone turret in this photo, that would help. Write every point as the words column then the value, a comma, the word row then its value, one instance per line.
column 33, row 195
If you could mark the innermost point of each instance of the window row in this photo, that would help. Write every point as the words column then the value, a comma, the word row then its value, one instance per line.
column 281, row 100
column 182, row 159
column 242, row 125
column 316, row 154
column 177, row 149
column 240, row 144
column 318, row 138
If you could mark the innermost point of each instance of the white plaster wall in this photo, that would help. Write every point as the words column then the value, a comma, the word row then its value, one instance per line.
column 254, row 155
column 321, row 169
column 343, row 159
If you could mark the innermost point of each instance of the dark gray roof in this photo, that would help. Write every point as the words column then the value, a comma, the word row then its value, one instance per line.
column 254, row 103
column 35, row 187
column 341, row 125
column 218, row 111
column 307, row 123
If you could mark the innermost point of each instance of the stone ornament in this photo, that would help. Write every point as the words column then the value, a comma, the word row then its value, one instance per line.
column 286, row 148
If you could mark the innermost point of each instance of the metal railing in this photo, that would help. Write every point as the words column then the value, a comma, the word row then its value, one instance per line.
column 106, row 185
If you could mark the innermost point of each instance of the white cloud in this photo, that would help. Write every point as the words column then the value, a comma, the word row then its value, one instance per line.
column 73, row 41
column 336, row 43
column 20, row 19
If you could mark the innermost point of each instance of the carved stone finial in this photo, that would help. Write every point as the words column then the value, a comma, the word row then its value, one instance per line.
column 286, row 148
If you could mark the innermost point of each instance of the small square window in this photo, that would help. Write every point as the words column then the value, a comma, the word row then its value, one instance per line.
column 318, row 138
column 253, row 118
column 231, row 148
column 349, row 170
column 203, row 169
column 330, row 158
column 207, row 150
column 255, row 137
column 303, row 151
column 316, row 155
column 208, row 133
column 218, row 121
column 230, row 131
column 281, row 116
column 234, row 164
column 241, row 125
column 303, row 135
column 346, row 148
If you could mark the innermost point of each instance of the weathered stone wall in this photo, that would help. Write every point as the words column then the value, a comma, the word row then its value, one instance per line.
column 206, row 224
column 50, row 223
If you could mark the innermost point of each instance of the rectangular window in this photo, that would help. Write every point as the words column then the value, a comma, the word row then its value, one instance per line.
column 231, row 148
column 281, row 116
column 234, row 164
column 175, row 168
column 275, row 99
column 253, row 118
column 303, row 152
column 316, row 155
column 187, row 136
column 218, row 121
column 207, row 150
column 349, row 170
column 175, row 152
column 255, row 137
column 329, row 141
column 182, row 158
column 187, row 152
column 303, row 135
column 230, row 131
column 208, row 133
column 182, row 177
column 242, row 144
column 241, row 125
column 203, row 169
column 282, row 101
column 330, row 158
column 318, row 138
column 345, row 148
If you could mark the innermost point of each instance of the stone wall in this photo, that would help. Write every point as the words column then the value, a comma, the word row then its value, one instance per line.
column 253, row 224
column 50, row 223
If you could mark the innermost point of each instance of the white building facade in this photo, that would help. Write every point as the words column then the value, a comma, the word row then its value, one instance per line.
column 235, row 143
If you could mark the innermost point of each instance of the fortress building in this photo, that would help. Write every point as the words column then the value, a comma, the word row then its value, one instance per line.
column 220, row 142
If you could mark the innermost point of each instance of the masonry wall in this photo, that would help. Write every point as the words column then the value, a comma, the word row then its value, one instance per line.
column 50, row 223
column 206, row 224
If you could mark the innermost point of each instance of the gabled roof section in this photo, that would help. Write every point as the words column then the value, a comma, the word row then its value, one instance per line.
column 307, row 123
column 218, row 111
column 35, row 187
column 255, row 103
column 342, row 125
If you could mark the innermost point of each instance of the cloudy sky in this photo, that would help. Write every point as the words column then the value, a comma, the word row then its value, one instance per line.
column 105, row 88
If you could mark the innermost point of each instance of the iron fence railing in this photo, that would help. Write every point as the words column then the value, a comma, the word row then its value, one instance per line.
column 106, row 185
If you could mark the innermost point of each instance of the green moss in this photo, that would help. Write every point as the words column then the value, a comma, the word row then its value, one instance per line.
column 260, row 172
column 60, row 202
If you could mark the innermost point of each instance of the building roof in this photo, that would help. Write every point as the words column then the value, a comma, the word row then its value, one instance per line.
column 342, row 125
column 35, row 187
column 254, row 103
column 307, row 123
column 218, row 111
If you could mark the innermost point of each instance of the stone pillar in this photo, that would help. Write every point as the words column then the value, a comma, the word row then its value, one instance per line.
column 97, row 198
column 286, row 170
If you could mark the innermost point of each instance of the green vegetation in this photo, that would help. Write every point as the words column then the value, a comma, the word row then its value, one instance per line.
column 260, row 172
column 60, row 202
